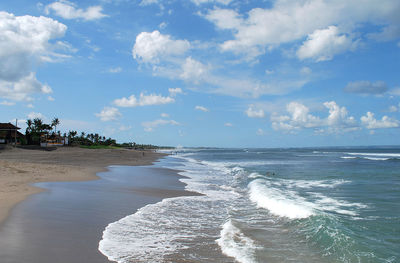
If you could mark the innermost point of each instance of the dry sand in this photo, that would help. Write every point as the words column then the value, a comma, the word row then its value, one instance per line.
column 21, row 167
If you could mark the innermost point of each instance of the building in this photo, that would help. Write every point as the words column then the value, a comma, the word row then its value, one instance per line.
column 8, row 132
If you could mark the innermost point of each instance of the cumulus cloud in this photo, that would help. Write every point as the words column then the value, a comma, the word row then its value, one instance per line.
column 366, row 87
column 149, row 126
column 193, row 70
column 109, row 114
column 289, row 21
column 68, row 10
column 323, row 44
column 144, row 100
column 151, row 47
column 174, row 91
column 201, row 108
column 228, row 124
column 26, row 40
column 370, row 122
column 300, row 118
column 34, row 115
column 252, row 112
column 22, row 89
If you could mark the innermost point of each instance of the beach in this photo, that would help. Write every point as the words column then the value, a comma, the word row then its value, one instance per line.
column 67, row 219
column 22, row 167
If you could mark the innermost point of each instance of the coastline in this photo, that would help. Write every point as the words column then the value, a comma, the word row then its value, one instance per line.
column 20, row 168
column 66, row 222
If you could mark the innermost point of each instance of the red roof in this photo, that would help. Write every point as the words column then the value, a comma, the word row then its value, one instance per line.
column 8, row 126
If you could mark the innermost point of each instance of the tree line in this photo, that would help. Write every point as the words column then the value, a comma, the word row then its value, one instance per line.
column 38, row 131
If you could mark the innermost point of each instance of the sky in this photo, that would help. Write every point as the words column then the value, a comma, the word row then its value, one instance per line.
column 217, row 73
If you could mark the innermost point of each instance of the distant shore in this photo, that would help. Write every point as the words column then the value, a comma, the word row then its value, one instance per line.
column 22, row 167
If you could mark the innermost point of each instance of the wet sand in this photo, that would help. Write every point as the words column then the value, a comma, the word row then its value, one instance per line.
column 19, row 168
column 65, row 223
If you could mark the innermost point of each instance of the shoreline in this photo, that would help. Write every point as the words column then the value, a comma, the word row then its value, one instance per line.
column 21, row 168
column 67, row 221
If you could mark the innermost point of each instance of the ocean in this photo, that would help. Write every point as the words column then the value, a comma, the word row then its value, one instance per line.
column 269, row 205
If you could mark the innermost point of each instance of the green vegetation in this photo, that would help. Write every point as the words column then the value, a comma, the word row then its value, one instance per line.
column 38, row 131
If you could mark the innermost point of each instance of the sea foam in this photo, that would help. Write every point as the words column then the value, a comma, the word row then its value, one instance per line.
column 279, row 203
column 235, row 244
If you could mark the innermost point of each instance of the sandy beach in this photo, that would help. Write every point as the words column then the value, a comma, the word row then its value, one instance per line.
column 22, row 167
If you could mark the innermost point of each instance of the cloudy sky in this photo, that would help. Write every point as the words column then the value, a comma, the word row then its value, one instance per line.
column 227, row 73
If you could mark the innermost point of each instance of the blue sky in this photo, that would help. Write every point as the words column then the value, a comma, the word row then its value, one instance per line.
column 219, row 73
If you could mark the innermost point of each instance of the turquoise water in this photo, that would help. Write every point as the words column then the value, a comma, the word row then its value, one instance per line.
column 270, row 205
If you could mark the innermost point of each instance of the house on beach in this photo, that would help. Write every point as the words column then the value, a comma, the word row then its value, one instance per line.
column 9, row 133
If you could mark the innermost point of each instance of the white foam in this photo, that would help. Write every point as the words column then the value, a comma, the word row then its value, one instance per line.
column 377, row 154
column 308, row 184
column 235, row 244
column 279, row 203
column 348, row 157
column 376, row 158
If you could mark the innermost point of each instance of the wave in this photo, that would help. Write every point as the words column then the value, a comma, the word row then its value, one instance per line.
column 376, row 159
column 278, row 202
column 377, row 154
column 280, row 198
column 235, row 244
column 349, row 157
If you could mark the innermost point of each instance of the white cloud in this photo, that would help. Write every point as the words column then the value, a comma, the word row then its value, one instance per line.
column 26, row 40
column 164, row 115
column 50, row 98
column 193, row 70
column 174, row 91
column 223, row 2
column 115, row 70
column 371, row 123
column 148, row 2
column 393, row 108
column 124, row 128
column 289, row 21
column 151, row 47
column 299, row 118
column 162, row 25
column 254, row 113
column 366, row 87
column 151, row 125
column 260, row 132
column 144, row 100
column 269, row 72
column 23, row 88
column 34, row 115
column 201, row 108
column 228, row 124
column 323, row 44
column 338, row 119
column 109, row 114
column 30, row 105
column 395, row 92
column 225, row 18
column 7, row 103
column 305, row 70
column 68, row 10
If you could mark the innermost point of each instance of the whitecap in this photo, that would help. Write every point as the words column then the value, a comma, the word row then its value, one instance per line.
column 235, row 244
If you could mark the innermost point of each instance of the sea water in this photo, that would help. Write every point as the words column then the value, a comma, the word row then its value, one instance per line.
column 270, row 205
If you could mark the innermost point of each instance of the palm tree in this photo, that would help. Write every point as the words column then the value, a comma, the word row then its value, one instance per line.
column 54, row 124
column 29, row 128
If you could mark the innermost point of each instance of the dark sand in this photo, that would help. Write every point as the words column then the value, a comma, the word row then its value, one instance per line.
column 65, row 223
